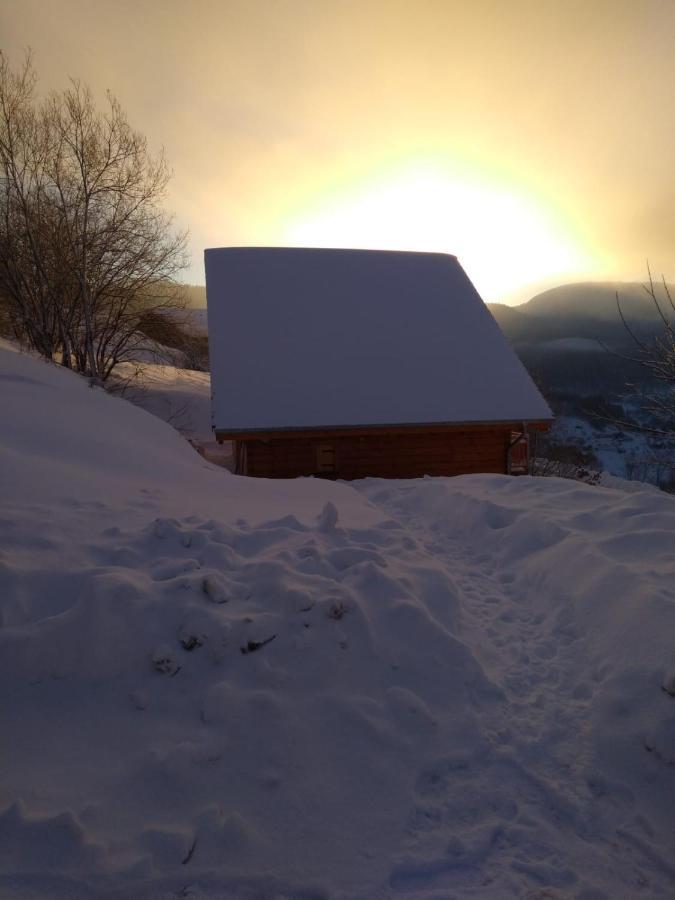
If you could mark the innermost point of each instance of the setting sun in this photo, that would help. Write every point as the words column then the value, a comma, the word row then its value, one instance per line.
column 503, row 239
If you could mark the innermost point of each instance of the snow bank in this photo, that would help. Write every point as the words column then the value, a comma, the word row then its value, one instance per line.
column 66, row 443
column 627, row 487
column 181, row 397
column 224, row 687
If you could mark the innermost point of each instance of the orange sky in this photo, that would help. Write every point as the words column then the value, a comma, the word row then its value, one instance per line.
column 534, row 138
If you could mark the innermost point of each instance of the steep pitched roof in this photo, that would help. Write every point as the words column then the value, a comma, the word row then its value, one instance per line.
column 304, row 338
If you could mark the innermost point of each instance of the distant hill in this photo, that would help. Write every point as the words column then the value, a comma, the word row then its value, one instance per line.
column 596, row 300
column 195, row 295
column 585, row 310
column 563, row 336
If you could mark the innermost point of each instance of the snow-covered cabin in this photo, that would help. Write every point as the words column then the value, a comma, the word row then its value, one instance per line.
column 350, row 363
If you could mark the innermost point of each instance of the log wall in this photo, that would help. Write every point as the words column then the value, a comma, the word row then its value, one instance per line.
column 381, row 455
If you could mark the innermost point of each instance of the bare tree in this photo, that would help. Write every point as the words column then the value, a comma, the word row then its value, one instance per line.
column 32, row 268
column 655, row 353
column 86, row 248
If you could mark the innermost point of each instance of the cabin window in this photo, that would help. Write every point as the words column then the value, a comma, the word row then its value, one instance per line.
column 325, row 459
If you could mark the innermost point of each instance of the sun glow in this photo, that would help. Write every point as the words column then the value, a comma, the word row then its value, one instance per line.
column 503, row 239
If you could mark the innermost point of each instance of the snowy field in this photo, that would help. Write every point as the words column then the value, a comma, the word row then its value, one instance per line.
column 220, row 687
column 623, row 453
column 181, row 397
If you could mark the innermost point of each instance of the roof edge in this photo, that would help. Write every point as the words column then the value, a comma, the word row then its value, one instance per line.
column 255, row 248
column 540, row 424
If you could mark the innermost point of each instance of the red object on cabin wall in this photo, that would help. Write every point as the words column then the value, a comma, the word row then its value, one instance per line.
column 519, row 454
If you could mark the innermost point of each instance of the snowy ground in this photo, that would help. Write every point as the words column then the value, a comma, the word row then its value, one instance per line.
column 634, row 455
column 182, row 398
column 223, row 687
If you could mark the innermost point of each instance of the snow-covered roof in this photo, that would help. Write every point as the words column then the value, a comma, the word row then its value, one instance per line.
column 305, row 338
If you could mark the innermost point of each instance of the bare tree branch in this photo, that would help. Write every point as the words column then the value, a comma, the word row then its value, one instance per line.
column 86, row 248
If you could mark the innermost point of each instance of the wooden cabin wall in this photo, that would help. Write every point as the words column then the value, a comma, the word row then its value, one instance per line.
column 383, row 455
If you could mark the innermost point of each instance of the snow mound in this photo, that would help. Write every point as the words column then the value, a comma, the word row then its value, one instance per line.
column 623, row 484
column 181, row 397
column 215, row 687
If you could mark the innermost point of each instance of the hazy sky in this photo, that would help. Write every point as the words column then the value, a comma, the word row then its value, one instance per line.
column 533, row 138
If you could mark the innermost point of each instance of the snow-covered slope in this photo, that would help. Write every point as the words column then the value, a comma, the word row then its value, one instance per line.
column 223, row 687
column 181, row 397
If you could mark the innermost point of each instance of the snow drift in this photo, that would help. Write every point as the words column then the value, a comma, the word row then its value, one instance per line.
column 220, row 687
